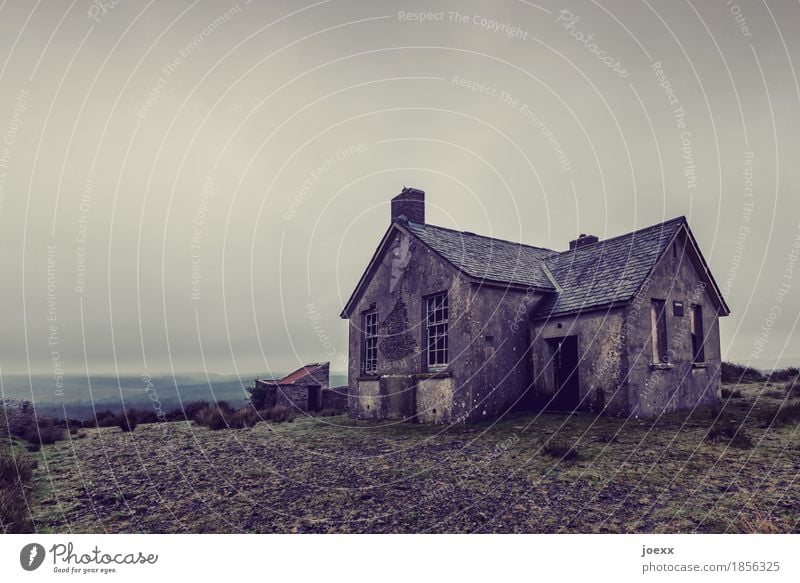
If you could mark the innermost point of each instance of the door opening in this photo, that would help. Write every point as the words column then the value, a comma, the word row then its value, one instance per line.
column 314, row 398
column 566, row 379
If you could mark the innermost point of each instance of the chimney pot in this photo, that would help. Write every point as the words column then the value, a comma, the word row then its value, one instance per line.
column 582, row 240
column 409, row 205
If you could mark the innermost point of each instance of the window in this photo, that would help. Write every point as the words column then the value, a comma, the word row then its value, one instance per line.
column 436, row 318
column 659, row 331
column 677, row 309
column 369, row 360
column 698, row 351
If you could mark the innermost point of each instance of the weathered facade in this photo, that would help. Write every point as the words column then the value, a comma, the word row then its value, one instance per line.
column 305, row 389
column 449, row 326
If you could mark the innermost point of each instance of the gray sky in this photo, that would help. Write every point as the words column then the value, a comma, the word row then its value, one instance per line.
column 256, row 145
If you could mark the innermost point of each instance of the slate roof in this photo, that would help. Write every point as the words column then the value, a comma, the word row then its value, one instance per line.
column 297, row 375
column 589, row 277
column 486, row 258
column 605, row 272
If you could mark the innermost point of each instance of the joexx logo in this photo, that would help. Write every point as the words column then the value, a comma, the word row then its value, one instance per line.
column 31, row 556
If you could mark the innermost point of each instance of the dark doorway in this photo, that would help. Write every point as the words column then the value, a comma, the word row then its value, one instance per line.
column 565, row 373
column 314, row 398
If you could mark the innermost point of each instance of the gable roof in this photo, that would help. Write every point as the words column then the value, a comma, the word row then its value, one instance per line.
column 607, row 272
column 484, row 259
column 299, row 374
column 614, row 270
column 588, row 277
column 487, row 258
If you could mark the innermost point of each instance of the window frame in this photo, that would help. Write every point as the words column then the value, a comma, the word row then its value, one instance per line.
column 658, row 331
column 698, row 334
column 437, row 330
column 369, row 342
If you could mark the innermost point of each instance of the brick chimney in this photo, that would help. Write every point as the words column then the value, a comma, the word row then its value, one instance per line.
column 582, row 240
column 409, row 204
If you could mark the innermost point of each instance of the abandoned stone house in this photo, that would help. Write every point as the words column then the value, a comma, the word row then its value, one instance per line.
column 305, row 389
column 448, row 326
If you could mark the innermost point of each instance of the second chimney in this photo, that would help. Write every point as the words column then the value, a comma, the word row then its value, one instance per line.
column 583, row 240
column 409, row 205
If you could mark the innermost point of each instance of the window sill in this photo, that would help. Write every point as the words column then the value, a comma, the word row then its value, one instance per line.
column 435, row 374
column 661, row 366
column 369, row 377
column 701, row 364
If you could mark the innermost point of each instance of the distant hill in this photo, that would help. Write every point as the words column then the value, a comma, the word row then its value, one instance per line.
column 81, row 397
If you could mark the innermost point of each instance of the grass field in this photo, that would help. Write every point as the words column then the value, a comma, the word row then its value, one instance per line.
column 334, row 474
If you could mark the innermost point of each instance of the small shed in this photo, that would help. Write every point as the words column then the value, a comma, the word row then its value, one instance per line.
column 305, row 389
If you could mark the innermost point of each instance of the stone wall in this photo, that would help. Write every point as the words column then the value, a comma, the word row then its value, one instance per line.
column 602, row 351
column 654, row 389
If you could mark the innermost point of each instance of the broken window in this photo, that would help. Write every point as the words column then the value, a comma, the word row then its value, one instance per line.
column 369, row 361
column 659, row 331
column 698, row 351
column 436, row 317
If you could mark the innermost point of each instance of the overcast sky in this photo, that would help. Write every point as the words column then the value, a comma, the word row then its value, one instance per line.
column 205, row 181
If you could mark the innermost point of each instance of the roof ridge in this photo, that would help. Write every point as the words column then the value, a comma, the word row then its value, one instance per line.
column 681, row 218
column 482, row 236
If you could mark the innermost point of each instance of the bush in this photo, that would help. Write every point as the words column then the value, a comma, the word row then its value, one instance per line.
column 727, row 393
column 280, row 414
column 739, row 373
column 327, row 412
column 605, row 437
column 784, row 374
column 189, row 411
column 560, row 450
column 105, row 418
column 788, row 412
column 44, row 432
column 730, row 433
column 211, row 417
column 792, row 388
column 16, row 475
column 244, row 417
column 127, row 422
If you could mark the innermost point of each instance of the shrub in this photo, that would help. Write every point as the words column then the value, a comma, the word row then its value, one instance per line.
column 792, row 388
column 738, row 373
column 727, row 393
column 16, row 475
column 788, row 412
column 44, row 431
column 730, row 433
column 127, row 422
column 606, row 437
column 784, row 374
column 105, row 418
column 280, row 414
column 560, row 450
column 34, row 447
column 244, row 417
column 327, row 412
column 211, row 417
